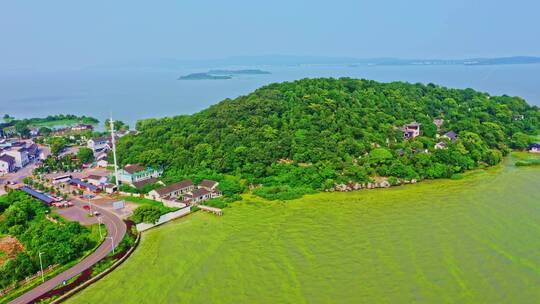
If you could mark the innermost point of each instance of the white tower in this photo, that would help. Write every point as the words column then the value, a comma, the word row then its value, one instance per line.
column 113, row 141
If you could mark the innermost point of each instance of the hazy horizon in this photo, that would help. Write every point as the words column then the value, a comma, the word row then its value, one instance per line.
column 64, row 34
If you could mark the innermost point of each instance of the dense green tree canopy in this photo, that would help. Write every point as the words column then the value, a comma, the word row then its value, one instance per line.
column 25, row 218
column 318, row 132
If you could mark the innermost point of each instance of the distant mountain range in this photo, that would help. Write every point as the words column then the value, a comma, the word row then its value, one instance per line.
column 285, row 60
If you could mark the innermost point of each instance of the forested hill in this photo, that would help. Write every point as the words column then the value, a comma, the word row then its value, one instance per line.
column 318, row 132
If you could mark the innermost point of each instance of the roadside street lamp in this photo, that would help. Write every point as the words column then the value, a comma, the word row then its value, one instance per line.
column 41, row 266
column 112, row 242
column 99, row 226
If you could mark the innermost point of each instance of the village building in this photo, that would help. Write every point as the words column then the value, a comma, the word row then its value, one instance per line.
column 208, row 184
column 518, row 117
column 38, row 195
column 97, row 180
column 102, row 160
column 110, row 188
column 34, row 132
column 99, row 144
column 211, row 186
column 20, row 154
column 451, row 135
column 140, row 184
column 534, row 148
column 440, row 145
column 438, row 122
column 197, row 196
column 411, row 130
column 82, row 127
column 134, row 173
column 83, row 185
column 33, row 151
column 173, row 191
column 7, row 164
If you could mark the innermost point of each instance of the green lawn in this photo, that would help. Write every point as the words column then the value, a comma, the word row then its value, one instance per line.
column 472, row 240
column 144, row 201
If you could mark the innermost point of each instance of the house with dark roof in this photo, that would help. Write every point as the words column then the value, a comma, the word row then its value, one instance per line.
column 140, row 184
column 99, row 144
column 38, row 195
column 7, row 164
column 172, row 191
column 534, row 148
column 211, row 186
column 96, row 180
column 83, row 185
column 451, row 135
column 208, row 184
column 19, row 153
column 33, row 151
column 198, row 195
column 132, row 173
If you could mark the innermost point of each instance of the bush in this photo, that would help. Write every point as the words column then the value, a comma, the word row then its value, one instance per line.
column 146, row 214
column 282, row 192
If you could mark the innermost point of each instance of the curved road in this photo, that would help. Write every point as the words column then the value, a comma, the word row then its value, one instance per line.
column 115, row 228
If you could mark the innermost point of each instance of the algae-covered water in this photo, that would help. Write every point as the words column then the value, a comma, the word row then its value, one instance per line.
column 474, row 240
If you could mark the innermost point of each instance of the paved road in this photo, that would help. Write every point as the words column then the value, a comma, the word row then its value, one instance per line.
column 115, row 228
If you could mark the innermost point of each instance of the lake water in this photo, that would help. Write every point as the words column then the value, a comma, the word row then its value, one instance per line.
column 474, row 240
column 133, row 94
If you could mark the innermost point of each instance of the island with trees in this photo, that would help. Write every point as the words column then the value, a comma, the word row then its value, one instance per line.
column 292, row 138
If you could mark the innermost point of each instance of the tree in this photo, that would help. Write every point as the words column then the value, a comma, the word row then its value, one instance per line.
column 146, row 214
column 57, row 144
column 85, row 155
column 520, row 141
column 118, row 125
column 45, row 131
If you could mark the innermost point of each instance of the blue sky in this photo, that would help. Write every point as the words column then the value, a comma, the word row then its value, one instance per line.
column 70, row 34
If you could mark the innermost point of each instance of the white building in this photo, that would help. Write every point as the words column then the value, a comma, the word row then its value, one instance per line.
column 134, row 173
column 99, row 144
column 20, row 154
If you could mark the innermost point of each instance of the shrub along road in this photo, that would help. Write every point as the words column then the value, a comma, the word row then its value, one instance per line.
column 115, row 228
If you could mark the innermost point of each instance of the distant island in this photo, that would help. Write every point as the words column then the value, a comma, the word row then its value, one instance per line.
column 238, row 72
column 203, row 76
column 221, row 74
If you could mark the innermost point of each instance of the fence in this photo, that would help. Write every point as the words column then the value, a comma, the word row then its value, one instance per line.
column 27, row 280
column 164, row 218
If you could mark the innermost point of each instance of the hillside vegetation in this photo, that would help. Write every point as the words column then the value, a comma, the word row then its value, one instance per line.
column 314, row 133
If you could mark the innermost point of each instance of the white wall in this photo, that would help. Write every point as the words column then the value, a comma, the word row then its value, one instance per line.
column 164, row 218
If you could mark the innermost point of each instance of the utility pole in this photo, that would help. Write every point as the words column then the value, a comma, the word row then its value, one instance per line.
column 41, row 266
column 113, row 140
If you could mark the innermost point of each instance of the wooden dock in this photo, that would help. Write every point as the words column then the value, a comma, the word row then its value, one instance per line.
column 214, row 210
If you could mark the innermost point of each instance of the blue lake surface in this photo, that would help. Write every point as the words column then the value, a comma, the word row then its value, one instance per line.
column 133, row 94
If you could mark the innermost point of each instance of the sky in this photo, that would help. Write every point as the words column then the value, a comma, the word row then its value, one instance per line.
column 57, row 34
